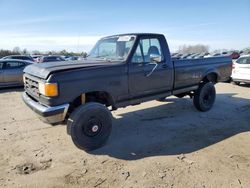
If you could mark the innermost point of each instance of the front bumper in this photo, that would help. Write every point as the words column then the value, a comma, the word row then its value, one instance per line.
column 52, row 115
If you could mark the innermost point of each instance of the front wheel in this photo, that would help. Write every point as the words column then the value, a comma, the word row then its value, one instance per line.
column 204, row 97
column 90, row 126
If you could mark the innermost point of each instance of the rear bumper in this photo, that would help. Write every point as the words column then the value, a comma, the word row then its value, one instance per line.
column 52, row 115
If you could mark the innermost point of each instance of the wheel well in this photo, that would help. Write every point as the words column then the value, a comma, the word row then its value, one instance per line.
column 96, row 96
column 211, row 77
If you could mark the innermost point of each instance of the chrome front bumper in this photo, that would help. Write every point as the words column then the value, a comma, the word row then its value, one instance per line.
column 52, row 115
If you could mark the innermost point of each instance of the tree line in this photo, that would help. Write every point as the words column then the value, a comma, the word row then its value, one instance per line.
column 19, row 51
column 200, row 48
column 184, row 49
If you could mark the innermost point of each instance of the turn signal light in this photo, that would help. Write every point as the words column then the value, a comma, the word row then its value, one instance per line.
column 48, row 89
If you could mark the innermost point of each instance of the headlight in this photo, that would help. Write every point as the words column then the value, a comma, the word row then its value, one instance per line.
column 48, row 89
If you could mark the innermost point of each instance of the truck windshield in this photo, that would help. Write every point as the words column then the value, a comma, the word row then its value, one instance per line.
column 113, row 48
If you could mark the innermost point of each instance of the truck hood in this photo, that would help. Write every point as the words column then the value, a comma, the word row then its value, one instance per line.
column 43, row 70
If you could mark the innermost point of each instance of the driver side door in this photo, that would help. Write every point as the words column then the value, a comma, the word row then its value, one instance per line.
column 147, row 77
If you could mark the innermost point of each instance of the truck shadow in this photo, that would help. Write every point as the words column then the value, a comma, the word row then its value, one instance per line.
column 244, row 85
column 175, row 128
column 11, row 89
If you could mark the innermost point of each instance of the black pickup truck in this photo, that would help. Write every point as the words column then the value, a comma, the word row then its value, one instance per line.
column 120, row 70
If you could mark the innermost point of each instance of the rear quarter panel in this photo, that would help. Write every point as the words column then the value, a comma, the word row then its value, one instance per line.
column 190, row 72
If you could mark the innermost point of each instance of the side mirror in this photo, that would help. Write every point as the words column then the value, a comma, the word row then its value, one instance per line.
column 155, row 58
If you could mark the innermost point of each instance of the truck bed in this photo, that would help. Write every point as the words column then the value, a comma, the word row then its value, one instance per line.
column 188, row 72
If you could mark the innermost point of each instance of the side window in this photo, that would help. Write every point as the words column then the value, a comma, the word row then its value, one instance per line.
column 246, row 61
column 243, row 60
column 137, row 57
column 147, row 47
column 128, row 46
column 14, row 65
column 151, row 47
column 24, row 58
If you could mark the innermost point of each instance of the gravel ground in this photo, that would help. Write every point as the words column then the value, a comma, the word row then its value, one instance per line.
column 155, row 144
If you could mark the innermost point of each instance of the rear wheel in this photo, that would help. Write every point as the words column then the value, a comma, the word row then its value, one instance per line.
column 204, row 97
column 90, row 126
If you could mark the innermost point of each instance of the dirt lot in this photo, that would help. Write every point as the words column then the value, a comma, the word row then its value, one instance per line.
column 155, row 144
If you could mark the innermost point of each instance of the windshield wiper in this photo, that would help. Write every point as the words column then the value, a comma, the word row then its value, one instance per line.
column 101, row 56
column 106, row 58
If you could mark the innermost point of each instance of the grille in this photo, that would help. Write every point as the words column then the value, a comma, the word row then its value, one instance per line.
column 31, row 86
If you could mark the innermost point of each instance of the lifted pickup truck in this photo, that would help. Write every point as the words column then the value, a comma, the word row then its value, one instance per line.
column 120, row 70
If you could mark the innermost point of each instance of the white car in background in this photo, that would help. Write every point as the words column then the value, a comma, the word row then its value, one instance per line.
column 241, row 70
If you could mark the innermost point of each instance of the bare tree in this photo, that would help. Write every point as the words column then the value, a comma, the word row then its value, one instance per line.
column 25, row 51
column 199, row 48
column 36, row 52
column 16, row 50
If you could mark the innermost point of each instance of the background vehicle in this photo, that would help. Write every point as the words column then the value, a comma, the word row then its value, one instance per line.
column 36, row 58
column 120, row 70
column 52, row 58
column 202, row 55
column 21, row 57
column 72, row 58
column 193, row 56
column 11, row 72
column 241, row 70
column 233, row 55
column 213, row 55
column 185, row 56
column 176, row 56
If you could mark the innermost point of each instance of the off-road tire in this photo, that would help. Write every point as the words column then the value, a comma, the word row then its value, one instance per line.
column 90, row 126
column 204, row 97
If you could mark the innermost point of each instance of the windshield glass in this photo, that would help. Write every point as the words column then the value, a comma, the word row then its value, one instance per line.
column 113, row 48
column 243, row 60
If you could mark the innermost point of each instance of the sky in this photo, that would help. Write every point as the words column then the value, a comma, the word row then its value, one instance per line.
column 76, row 25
